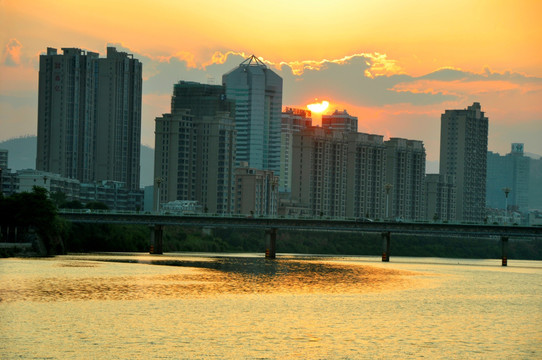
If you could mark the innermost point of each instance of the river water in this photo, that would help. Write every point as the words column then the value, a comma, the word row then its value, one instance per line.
column 211, row 306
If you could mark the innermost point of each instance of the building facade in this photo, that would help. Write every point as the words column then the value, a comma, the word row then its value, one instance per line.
column 293, row 121
column 256, row 191
column 340, row 120
column 195, row 148
column 338, row 173
column 366, row 177
column 27, row 179
column 114, row 194
column 66, row 113
column 89, row 115
column 319, row 177
column 439, row 198
column 4, row 159
column 174, row 158
column 463, row 155
column 405, row 172
column 257, row 92
column 511, row 171
column 535, row 179
column 118, row 118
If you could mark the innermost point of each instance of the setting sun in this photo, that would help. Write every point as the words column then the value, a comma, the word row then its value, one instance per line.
column 318, row 107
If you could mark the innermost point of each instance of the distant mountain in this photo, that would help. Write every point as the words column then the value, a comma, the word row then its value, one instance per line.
column 22, row 155
column 21, row 152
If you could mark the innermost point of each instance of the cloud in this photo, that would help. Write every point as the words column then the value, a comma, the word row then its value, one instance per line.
column 12, row 53
column 364, row 79
column 372, row 86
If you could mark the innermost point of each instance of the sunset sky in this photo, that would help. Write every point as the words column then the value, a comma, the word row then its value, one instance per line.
column 395, row 65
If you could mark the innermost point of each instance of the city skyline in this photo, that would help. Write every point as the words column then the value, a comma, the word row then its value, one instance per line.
column 396, row 70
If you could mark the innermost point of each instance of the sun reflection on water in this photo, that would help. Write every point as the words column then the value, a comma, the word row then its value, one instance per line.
column 246, row 307
column 100, row 279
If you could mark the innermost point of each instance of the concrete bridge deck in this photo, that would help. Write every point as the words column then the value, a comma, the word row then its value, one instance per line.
column 272, row 224
column 305, row 224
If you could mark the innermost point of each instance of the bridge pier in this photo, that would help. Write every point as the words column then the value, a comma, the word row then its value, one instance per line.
column 504, row 247
column 386, row 238
column 157, row 243
column 270, row 243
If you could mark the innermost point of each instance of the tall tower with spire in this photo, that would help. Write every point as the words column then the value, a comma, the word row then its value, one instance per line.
column 257, row 92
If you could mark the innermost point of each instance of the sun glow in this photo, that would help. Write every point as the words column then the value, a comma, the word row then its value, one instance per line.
column 318, row 107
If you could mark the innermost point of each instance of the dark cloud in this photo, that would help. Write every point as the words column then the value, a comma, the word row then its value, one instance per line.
column 12, row 53
column 348, row 81
column 486, row 75
column 354, row 79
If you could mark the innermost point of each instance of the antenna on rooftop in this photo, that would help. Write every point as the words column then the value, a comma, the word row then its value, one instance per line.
column 253, row 61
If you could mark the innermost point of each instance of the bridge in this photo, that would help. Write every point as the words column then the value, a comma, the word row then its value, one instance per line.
column 272, row 224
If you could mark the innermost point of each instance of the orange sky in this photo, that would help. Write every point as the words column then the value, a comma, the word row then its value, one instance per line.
column 494, row 44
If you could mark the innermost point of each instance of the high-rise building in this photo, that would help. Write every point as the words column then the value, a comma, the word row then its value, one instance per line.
column 340, row 120
column 89, row 116
column 118, row 118
column 510, row 171
column 256, row 191
column 366, row 176
column 257, row 92
column 66, row 113
column 535, row 179
column 319, row 171
column 463, row 155
column 195, row 148
column 405, row 172
column 439, row 198
column 174, row 158
column 338, row 173
column 293, row 121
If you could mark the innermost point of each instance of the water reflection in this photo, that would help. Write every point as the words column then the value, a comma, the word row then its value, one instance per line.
column 101, row 278
column 245, row 307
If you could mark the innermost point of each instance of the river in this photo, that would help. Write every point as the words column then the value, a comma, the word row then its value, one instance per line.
column 242, row 306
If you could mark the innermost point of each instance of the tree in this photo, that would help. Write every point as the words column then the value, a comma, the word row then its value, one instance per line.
column 96, row 205
column 74, row 204
column 59, row 198
column 33, row 210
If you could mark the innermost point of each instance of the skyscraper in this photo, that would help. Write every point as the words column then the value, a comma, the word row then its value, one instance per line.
column 66, row 110
column 257, row 92
column 340, row 120
column 293, row 121
column 320, row 171
column 89, row 115
column 463, row 155
column 195, row 148
column 338, row 173
column 366, row 177
column 118, row 118
column 405, row 171
column 509, row 171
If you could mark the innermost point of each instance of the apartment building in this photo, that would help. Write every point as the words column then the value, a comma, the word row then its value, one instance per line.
column 463, row 155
